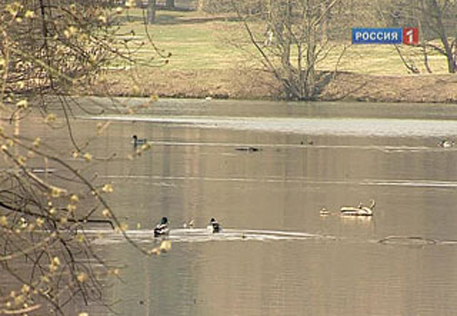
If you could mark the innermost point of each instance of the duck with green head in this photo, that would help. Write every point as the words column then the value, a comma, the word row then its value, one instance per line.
column 162, row 228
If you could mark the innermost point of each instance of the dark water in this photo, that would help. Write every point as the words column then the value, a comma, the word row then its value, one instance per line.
column 278, row 255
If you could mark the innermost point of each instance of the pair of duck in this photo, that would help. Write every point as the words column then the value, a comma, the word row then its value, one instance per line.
column 162, row 228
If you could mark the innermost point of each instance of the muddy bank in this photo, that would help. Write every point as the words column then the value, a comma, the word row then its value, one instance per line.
column 257, row 84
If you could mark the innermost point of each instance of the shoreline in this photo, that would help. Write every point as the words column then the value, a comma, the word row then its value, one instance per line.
column 248, row 84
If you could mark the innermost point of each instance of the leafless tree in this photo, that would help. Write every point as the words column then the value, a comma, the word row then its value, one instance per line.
column 296, row 40
column 50, row 48
column 439, row 17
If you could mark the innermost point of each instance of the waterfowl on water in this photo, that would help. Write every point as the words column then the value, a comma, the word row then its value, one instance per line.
column 214, row 226
column 189, row 225
column 138, row 141
column 324, row 212
column 248, row 148
column 360, row 210
column 162, row 228
column 445, row 143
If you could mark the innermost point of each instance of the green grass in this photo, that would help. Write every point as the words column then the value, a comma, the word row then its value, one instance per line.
column 198, row 42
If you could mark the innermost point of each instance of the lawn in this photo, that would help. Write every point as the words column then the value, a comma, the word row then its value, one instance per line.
column 198, row 41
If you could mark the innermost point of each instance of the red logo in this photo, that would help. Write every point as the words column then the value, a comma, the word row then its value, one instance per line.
column 410, row 35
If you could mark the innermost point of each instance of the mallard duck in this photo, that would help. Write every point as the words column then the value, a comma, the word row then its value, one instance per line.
column 214, row 226
column 360, row 210
column 162, row 228
column 138, row 141
column 445, row 143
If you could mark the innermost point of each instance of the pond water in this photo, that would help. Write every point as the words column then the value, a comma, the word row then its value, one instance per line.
column 276, row 254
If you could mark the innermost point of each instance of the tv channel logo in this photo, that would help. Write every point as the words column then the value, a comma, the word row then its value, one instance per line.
column 409, row 36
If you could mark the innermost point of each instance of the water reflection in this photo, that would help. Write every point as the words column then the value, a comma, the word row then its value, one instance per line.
column 279, row 256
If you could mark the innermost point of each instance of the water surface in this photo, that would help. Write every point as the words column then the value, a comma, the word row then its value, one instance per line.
column 278, row 255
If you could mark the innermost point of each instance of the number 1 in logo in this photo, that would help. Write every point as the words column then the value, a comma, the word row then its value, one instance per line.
column 411, row 36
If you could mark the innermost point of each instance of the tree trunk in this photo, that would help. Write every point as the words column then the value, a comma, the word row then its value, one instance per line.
column 151, row 17
column 170, row 4
column 439, row 27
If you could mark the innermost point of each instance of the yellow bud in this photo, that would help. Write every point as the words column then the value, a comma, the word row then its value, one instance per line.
column 51, row 117
column 108, row 188
column 23, row 104
column 74, row 198
column 82, row 277
column 106, row 213
column 56, row 261
column 102, row 18
column 39, row 222
column 165, row 245
column 71, row 208
column 21, row 160
column 25, row 289
column 56, row 192
column 3, row 221
column 72, row 30
column 37, row 142
column 87, row 157
column 29, row 14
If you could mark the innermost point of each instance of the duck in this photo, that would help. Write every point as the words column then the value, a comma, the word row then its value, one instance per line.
column 445, row 143
column 248, row 148
column 360, row 210
column 214, row 226
column 138, row 141
column 324, row 212
column 162, row 228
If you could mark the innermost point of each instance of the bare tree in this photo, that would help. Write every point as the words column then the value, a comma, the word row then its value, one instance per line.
column 434, row 19
column 50, row 48
column 437, row 25
column 296, row 42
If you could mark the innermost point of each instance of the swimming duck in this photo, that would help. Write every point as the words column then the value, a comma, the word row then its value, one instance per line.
column 138, row 141
column 324, row 212
column 162, row 228
column 445, row 143
column 214, row 226
column 360, row 210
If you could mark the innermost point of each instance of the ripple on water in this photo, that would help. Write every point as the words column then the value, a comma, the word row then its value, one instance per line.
column 201, row 235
